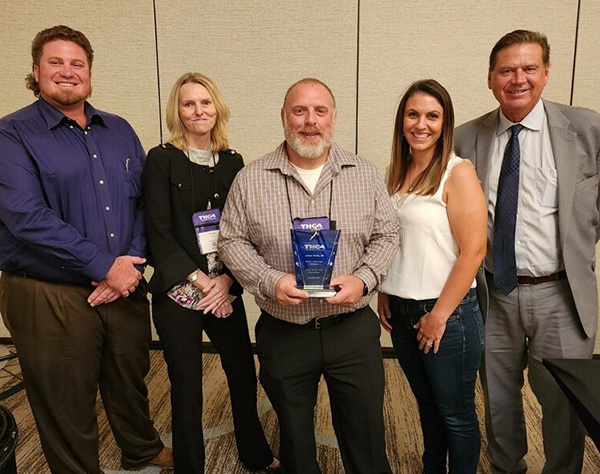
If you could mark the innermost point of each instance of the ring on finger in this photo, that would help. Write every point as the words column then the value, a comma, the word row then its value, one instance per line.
column 429, row 343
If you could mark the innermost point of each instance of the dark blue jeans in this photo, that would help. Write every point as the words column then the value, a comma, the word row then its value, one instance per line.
column 443, row 383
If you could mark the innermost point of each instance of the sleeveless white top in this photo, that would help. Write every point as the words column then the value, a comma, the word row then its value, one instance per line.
column 427, row 250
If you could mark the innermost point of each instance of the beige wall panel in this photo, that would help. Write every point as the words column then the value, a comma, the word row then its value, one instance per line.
column 401, row 42
column 254, row 51
column 587, row 72
column 124, row 71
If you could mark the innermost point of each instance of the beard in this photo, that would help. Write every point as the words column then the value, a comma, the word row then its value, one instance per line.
column 67, row 98
column 307, row 149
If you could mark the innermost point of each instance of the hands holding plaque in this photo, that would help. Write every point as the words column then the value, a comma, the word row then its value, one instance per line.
column 314, row 245
column 348, row 290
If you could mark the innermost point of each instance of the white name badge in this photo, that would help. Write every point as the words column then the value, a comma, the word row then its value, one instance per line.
column 207, row 240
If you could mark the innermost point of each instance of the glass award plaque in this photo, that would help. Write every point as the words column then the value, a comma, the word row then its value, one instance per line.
column 314, row 256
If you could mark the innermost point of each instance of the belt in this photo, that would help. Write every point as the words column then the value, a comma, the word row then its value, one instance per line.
column 30, row 276
column 316, row 323
column 529, row 280
column 328, row 321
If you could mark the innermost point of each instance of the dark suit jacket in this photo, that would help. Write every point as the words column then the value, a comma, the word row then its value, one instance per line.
column 575, row 138
column 171, row 183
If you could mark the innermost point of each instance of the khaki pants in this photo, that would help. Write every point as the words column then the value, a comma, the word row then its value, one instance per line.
column 66, row 350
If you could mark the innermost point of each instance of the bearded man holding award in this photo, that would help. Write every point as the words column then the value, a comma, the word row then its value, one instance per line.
column 291, row 216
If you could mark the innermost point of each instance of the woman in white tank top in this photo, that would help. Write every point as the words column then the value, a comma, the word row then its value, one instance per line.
column 428, row 301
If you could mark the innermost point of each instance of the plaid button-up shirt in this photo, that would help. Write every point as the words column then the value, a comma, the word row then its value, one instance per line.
column 255, row 243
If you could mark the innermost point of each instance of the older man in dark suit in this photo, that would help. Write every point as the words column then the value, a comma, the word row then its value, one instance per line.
column 538, row 162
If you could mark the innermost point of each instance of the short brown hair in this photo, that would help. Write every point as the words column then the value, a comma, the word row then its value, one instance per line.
column 55, row 33
column 520, row 37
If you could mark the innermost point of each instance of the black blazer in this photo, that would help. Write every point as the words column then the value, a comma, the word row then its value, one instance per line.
column 171, row 183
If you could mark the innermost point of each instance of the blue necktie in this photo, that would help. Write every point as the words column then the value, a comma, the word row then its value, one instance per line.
column 505, row 217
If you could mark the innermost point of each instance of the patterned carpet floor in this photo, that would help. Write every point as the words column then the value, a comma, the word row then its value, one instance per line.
column 400, row 411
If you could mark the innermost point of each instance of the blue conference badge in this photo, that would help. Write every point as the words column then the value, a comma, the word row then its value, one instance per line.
column 314, row 256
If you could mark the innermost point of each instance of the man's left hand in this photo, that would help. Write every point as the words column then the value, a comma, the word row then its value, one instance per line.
column 103, row 294
column 350, row 290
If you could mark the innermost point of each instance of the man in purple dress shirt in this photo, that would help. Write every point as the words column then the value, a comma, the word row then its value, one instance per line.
column 72, row 243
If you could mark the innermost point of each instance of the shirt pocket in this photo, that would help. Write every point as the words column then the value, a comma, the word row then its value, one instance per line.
column 132, row 173
column 546, row 182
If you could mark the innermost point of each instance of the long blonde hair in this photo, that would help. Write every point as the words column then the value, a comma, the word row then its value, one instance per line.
column 218, row 134
column 429, row 181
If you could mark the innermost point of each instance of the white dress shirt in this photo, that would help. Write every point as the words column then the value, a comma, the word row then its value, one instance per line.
column 537, row 246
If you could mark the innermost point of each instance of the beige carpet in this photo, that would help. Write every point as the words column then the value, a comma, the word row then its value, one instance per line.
column 404, row 439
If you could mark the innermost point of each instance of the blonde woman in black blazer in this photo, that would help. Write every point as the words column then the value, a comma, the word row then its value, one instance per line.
column 191, row 173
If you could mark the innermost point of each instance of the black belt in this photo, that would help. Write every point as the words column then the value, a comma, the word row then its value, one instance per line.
column 529, row 280
column 328, row 321
column 317, row 323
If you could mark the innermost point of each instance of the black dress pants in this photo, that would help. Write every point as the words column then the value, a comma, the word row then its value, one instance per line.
column 180, row 332
column 292, row 360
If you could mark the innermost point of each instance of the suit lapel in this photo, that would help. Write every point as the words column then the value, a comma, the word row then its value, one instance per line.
column 485, row 139
column 564, row 150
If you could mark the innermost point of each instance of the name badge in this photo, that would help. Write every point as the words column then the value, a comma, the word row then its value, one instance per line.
column 314, row 224
column 206, row 225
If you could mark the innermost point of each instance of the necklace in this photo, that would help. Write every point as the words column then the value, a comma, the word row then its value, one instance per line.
column 411, row 182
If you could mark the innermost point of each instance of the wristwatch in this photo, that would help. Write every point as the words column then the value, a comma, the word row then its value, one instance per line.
column 365, row 289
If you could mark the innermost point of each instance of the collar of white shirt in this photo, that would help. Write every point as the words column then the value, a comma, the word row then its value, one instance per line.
column 533, row 121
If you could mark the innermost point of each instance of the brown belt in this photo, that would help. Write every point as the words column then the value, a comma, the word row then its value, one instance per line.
column 528, row 280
